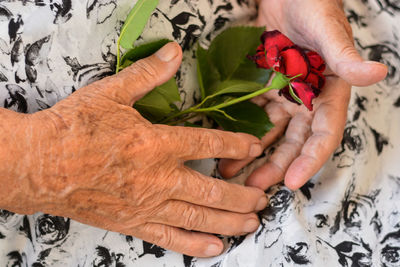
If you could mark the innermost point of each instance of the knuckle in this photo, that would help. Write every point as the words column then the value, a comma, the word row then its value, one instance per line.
column 144, row 71
column 103, row 89
column 216, row 144
column 164, row 237
column 348, row 51
column 122, row 214
column 193, row 217
column 146, row 141
column 213, row 194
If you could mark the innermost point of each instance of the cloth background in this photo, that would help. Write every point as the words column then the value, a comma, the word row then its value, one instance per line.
column 347, row 215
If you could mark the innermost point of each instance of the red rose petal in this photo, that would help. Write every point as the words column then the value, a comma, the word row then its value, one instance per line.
column 316, row 61
column 295, row 62
column 304, row 92
column 316, row 79
column 275, row 38
column 273, row 57
column 259, row 58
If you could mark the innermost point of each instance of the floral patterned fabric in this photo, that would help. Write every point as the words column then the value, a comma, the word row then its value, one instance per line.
column 347, row 215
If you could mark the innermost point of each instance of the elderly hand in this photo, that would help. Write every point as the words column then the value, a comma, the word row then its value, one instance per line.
column 310, row 138
column 93, row 158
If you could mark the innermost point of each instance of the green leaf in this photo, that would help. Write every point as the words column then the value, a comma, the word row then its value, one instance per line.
column 189, row 124
column 248, row 71
column 207, row 74
column 169, row 91
column 250, row 119
column 142, row 51
column 126, row 64
column 230, row 48
column 153, row 106
column 236, row 86
column 135, row 22
column 157, row 104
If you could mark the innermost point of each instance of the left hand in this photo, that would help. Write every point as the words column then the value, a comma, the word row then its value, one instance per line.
column 310, row 137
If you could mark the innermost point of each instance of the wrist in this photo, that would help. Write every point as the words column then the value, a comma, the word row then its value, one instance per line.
column 18, row 158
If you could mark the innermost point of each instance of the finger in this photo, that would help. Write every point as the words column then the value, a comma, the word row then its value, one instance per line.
column 189, row 143
column 135, row 81
column 168, row 237
column 280, row 118
column 193, row 217
column 334, row 40
column 182, row 241
column 196, row 188
column 327, row 131
column 274, row 170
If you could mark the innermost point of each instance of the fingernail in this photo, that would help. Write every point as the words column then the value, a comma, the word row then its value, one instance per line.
column 250, row 226
column 213, row 250
column 375, row 63
column 262, row 203
column 255, row 150
column 167, row 52
column 372, row 62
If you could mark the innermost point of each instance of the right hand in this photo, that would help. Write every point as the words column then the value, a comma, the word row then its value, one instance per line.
column 309, row 137
column 94, row 159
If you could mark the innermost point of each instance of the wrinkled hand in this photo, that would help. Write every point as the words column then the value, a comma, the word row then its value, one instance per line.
column 310, row 138
column 101, row 163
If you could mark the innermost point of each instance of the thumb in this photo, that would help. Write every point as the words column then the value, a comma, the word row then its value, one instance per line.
column 133, row 82
column 343, row 59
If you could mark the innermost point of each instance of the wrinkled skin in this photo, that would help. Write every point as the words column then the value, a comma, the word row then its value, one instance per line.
column 309, row 137
column 94, row 159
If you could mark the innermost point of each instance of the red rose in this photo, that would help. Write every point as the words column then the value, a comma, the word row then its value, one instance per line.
column 279, row 53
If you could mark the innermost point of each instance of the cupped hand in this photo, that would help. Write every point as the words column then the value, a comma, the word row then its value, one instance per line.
column 97, row 161
column 322, row 26
column 309, row 137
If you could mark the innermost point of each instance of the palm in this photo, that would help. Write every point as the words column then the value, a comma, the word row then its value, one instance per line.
column 308, row 137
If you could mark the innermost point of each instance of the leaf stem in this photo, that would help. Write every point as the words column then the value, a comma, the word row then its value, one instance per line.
column 182, row 120
column 118, row 55
column 183, row 112
column 295, row 97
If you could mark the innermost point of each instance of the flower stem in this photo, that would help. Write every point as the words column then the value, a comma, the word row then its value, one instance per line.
column 196, row 108
column 183, row 112
column 236, row 100
column 279, row 82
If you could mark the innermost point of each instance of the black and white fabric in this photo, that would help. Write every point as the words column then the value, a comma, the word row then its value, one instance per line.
column 347, row 215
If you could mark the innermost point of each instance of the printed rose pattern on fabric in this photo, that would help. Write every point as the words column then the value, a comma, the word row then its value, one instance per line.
column 50, row 229
column 339, row 219
column 279, row 53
